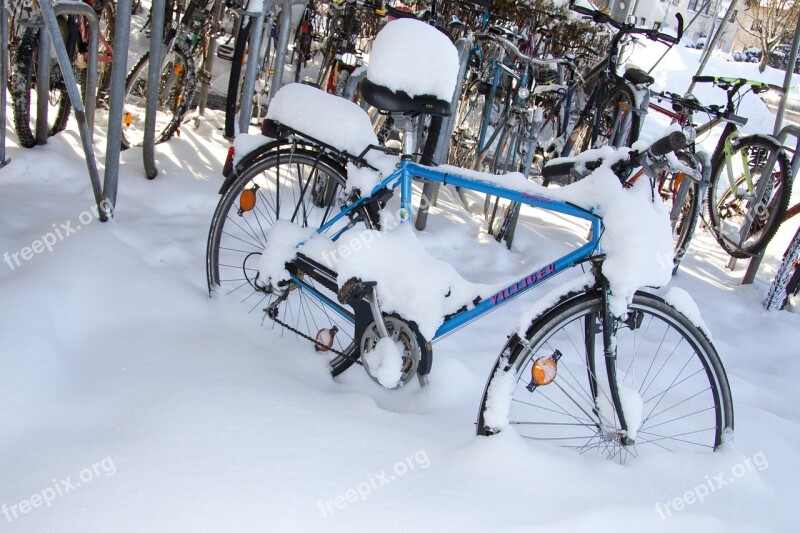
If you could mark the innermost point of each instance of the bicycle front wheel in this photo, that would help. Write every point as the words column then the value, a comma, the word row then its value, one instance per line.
column 618, row 124
column 747, row 200
column 673, row 388
column 24, row 82
column 176, row 86
column 296, row 185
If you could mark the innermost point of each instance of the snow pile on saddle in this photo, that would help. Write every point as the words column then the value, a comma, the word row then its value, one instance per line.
column 328, row 118
column 413, row 57
column 637, row 238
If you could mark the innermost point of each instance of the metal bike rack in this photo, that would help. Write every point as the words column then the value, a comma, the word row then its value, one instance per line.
column 122, row 33
column 208, row 63
column 157, row 12
column 3, row 79
column 278, row 65
column 782, row 135
column 251, row 68
column 430, row 190
column 49, row 13
column 755, row 261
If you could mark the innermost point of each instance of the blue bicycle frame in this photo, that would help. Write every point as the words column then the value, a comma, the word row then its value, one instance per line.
column 402, row 178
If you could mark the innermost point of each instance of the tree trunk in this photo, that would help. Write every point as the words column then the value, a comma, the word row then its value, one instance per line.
column 762, row 65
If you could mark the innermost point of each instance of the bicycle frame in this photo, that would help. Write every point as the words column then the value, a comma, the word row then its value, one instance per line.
column 402, row 179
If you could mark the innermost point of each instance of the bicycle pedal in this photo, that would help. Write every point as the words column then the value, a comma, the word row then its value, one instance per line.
column 225, row 52
column 354, row 290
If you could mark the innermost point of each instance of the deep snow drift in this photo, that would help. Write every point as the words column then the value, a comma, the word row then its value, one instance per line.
column 131, row 401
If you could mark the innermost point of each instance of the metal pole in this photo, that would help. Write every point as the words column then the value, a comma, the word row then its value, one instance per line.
column 280, row 49
column 51, row 24
column 157, row 12
column 43, row 89
column 714, row 40
column 430, row 190
column 787, row 80
column 3, row 79
column 122, row 32
column 251, row 68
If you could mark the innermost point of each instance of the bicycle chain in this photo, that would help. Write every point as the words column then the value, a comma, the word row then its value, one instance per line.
column 315, row 341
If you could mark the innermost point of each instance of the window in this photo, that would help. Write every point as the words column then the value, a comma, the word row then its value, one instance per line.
column 656, row 25
column 695, row 5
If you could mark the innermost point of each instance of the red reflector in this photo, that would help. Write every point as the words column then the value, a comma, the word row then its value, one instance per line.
column 227, row 168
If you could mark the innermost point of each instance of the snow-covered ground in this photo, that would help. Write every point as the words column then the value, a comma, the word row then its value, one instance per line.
column 131, row 401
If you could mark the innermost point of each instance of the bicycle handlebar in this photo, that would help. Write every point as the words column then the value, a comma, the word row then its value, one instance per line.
column 517, row 52
column 669, row 143
column 602, row 18
column 689, row 102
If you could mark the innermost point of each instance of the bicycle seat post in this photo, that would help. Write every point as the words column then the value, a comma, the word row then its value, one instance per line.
column 405, row 124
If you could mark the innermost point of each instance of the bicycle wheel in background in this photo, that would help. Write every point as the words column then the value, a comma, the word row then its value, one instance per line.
column 618, row 124
column 467, row 127
column 24, row 82
column 672, row 385
column 787, row 277
column 681, row 195
column 300, row 186
column 731, row 211
column 176, row 88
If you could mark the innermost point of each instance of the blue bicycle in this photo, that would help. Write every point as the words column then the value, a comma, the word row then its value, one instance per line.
column 576, row 374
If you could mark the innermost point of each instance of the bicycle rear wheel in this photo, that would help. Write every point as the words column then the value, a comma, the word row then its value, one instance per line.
column 741, row 223
column 300, row 186
column 674, row 391
column 176, row 86
column 787, row 277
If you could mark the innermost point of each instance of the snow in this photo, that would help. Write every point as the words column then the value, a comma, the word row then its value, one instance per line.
column 498, row 397
column 682, row 301
column 282, row 240
column 411, row 56
column 111, row 348
column 385, row 362
column 394, row 257
column 328, row 118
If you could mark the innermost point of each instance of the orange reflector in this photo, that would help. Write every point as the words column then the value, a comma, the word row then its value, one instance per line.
column 544, row 370
column 247, row 200
column 178, row 69
column 678, row 179
column 127, row 119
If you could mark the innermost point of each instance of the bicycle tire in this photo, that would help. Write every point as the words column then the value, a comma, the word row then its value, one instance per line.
column 682, row 218
column 575, row 410
column 787, row 277
column 582, row 138
column 724, row 208
column 176, row 94
column 23, row 82
column 238, row 236
column 466, row 128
